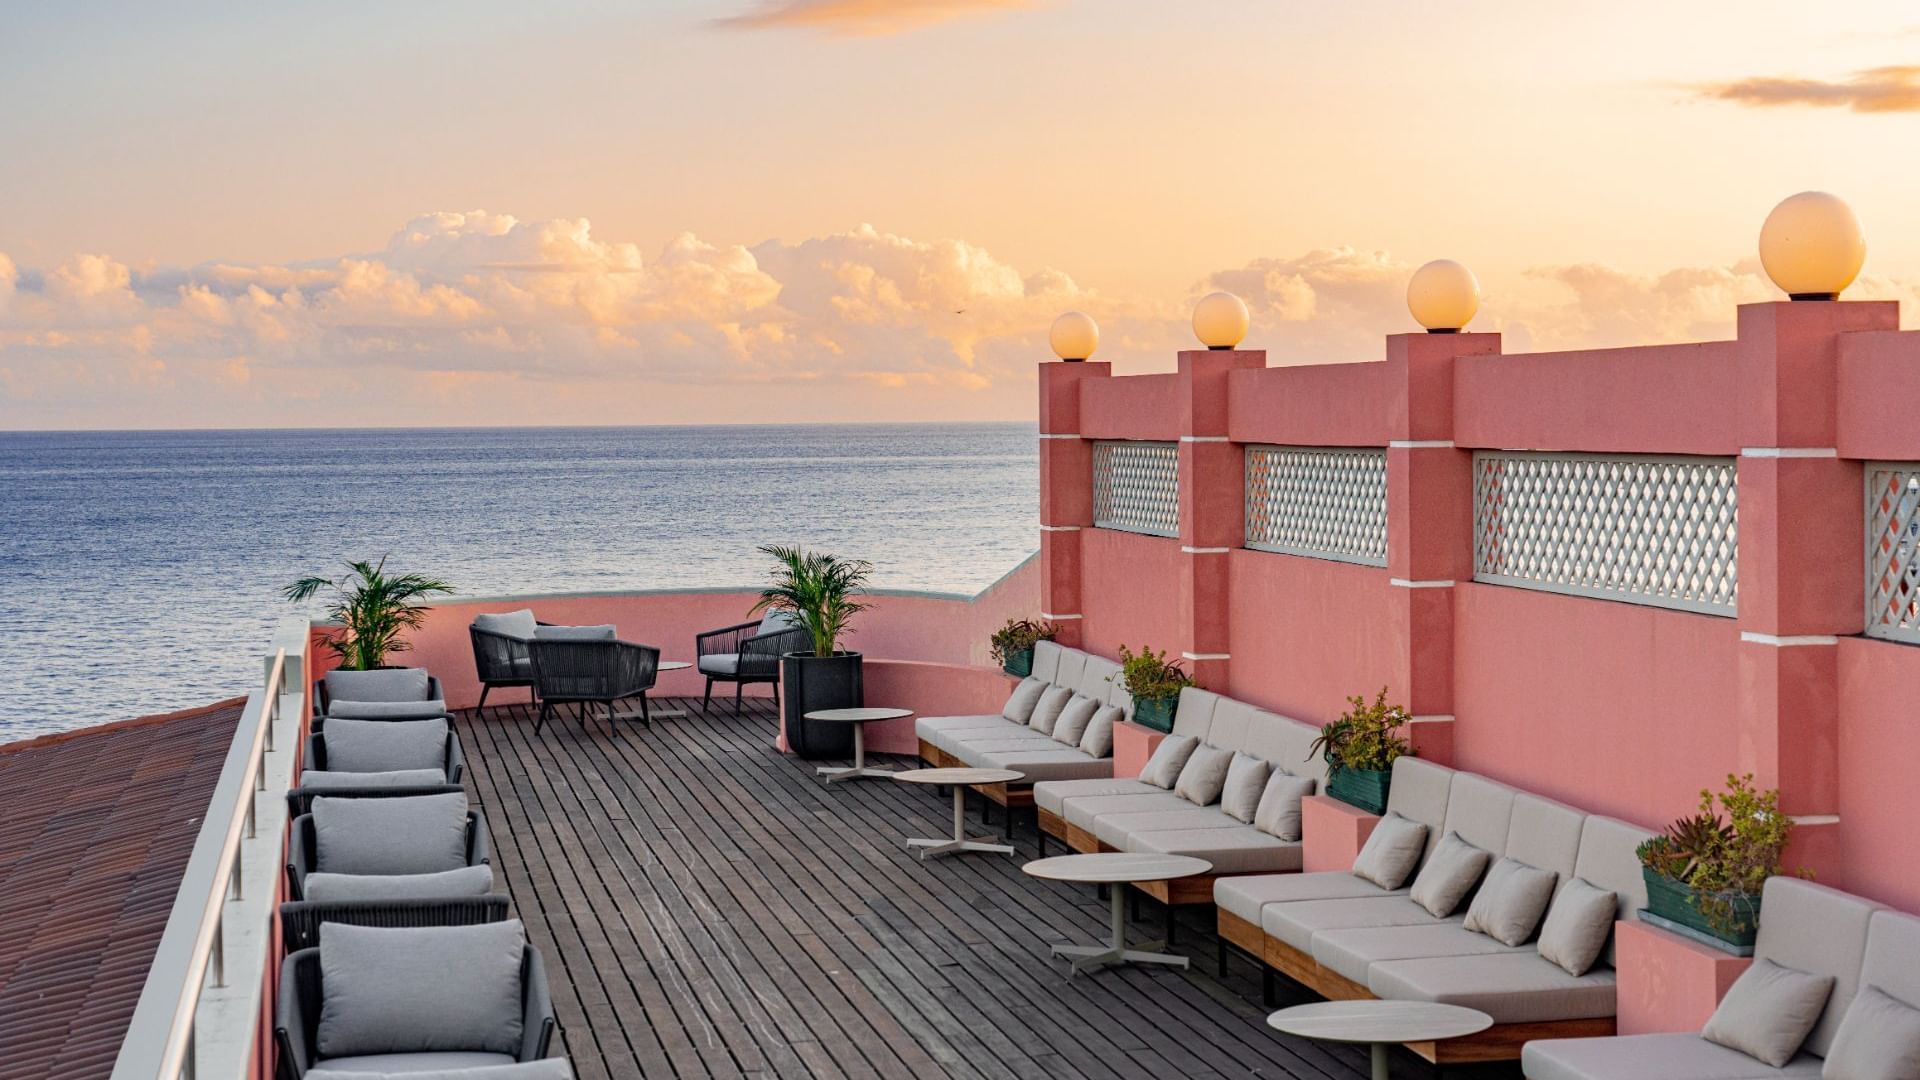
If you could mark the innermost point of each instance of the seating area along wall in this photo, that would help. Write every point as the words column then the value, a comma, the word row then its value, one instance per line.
column 1612, row 704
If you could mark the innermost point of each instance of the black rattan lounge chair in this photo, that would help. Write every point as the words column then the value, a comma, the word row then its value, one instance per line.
column 602, row 672
column 303, row 850
column 747, row 653
column 455, row 767
column 500, row 650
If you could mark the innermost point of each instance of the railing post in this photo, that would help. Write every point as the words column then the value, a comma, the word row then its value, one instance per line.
column 1066, row 491
column 1213, row 505
column 1801, row 552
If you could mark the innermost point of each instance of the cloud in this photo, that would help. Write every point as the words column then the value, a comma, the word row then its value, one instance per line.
column 1875, row 90
column 863, row 18
column 1328, row 304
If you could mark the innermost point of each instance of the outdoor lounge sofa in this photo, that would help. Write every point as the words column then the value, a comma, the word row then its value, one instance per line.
column 411, row 1001
column 1136, row 816
column 1347, row 937
column 382, row 694
column 996, row 742
column 1803, row 926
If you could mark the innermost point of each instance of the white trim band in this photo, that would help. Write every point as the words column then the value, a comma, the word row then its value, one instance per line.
column 1057, row 435
column 1204, row 551
column 1814, row 819
column 1789, row 451
column 1789, row 640
column 1051, row 617
column 1203, row 438
column 1059, row 528
column 1420, row 444
column 1206, row 656
column 1406, row 583
column 1433, row 718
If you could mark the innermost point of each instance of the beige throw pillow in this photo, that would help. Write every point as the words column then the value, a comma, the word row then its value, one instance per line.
column 1020, row 703
column 1577, row 926
column 1163, row 768
column 1278, row 814
column 1449, row 875
column 1047, row 712
column 1768, row 1012
column 1879, row 1039
column 1246, row 781
column 1074, row 719
column 1204, row 775
column 1510, row 903
column 1391, row 852
column 1097, row 740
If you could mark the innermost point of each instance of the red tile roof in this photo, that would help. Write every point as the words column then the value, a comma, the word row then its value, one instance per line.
column 95, row 829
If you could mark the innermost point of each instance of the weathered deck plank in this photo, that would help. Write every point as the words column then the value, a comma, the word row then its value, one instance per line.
column 710, row 910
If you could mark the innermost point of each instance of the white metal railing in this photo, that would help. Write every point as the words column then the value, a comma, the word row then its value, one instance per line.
column 1322, row 502
column 1136, row 487
column 1892, row 520
column 199, row 1011
column 1644, row 529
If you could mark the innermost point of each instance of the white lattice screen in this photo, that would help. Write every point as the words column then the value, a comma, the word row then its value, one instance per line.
column 1642, row 529
column 1324, row 502
column 1893, row 550
column 1136, row 487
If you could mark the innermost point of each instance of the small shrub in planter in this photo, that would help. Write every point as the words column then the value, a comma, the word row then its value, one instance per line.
column 375, row 610
column 1705, row 872
column 1155, row 683
column 1360, row 749
column 1013, row 644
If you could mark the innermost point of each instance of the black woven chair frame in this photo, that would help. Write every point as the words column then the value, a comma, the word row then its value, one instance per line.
column 455, row 765
column 593, row 672
column 300, row 920
column 297, row 1019
column 300, row 800
column 494, row 658
column 323, row 700
column 758, row 657
column 303, row 850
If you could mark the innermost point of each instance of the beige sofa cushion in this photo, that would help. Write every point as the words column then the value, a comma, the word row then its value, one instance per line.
column 1074, row 719
column 1822, row 931
column 1450, row 874
column 1246, row 897
column 1204, row 775
column 1020, row 703
column 1084, row 812
column 1768, row 1012
column 1879, row 1039
column 1391, row 852
column 1240, row 849
column 926, row 727
column 1117, row 829
column 1162, row 770
column 1297, row 923
column 1053, row 795
column 1511, row 901
column 1278, row 814
column 1577, row 926
column 1513, row 988
column 1038, row 764
column 1047, row 712
column 1098, row 738
column 1681, row 1056
column 1352, row 952
column 1246, row 781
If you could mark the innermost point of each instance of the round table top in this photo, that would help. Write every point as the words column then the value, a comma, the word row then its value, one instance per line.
column 673, row 665
column 858, row 716
column 959, row 777
column 1379, row 1021
column 1116, row 867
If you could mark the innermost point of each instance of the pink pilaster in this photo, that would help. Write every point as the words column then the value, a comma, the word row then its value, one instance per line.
column 1667, row 983
column 1212, row 506
column 1332, row 833
column 1066, row 491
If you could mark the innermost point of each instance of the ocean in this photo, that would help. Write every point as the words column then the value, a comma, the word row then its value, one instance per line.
column 140, row 572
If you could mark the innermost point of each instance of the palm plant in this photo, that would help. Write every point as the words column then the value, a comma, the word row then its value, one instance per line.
column 820, row 590
column 373, row 609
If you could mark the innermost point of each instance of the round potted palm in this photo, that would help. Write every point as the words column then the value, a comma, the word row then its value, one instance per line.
column 374, row 610
column 821, row 592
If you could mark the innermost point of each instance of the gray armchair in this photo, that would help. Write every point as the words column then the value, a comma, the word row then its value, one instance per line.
column 748, row 653
column 602, row 671
column 501, row 653
column 382, row 694
column 452, row 769
column 410, row 901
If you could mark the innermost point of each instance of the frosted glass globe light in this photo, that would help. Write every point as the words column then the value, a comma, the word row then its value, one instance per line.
column 1220, row 320
column 1443, row 296
column 1812, row 247
column 1074, row 336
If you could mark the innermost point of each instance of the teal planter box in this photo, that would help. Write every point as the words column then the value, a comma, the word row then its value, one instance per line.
column 1019, row 662
column 1364, row 788
column 1673, row 901
column 1156, row 713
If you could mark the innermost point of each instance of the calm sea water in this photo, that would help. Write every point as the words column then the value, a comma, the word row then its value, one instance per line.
column 140, row 571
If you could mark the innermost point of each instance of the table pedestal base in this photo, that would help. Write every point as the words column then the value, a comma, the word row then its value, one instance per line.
column 959, row 843
column 1094, row 957
column 859, row 771
column 1380, row 1069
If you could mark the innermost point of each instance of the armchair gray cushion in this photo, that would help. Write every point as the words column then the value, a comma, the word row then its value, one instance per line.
column 1879, row 1039
column 1510, row 903
column 1388, row 857
column 1278, row 814
column 1577, row 926
column 421, row 989
column 575, row 633
column 544, row 1069
column 331, row 780
column 412, row 834
column 383, row 684
column 775, row 621
column 458, row 1064
column 724, row 663
column 1097, row 740
column 370, row 746
column 337, row 888
column 424, row 709
column 1769, row 1011
column 515, row 624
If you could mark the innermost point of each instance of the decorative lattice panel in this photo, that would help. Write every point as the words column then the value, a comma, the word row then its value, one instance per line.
column 1646, row 530
column 1136, row 487
column 1893, row 551
column 1329, row 503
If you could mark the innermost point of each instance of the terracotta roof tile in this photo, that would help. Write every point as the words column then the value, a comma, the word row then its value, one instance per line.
column 95, row 829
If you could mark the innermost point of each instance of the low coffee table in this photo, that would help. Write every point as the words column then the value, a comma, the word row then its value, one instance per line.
column 859, row 718
column 1116, row 869
column 1380, row 1024
column 960, row 780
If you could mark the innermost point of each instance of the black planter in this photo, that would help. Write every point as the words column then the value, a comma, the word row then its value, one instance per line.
column 812, row 683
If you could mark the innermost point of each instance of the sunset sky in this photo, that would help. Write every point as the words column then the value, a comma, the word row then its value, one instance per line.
column 217, row 215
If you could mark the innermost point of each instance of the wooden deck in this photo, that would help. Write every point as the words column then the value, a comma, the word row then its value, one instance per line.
column 708, row 908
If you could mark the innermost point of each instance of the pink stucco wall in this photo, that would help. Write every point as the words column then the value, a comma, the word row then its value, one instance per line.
column 1879, row 759
column 1129, row 592
column 1309, row 632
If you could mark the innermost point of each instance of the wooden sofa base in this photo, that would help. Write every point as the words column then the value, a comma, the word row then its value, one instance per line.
column 1501, row 1042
